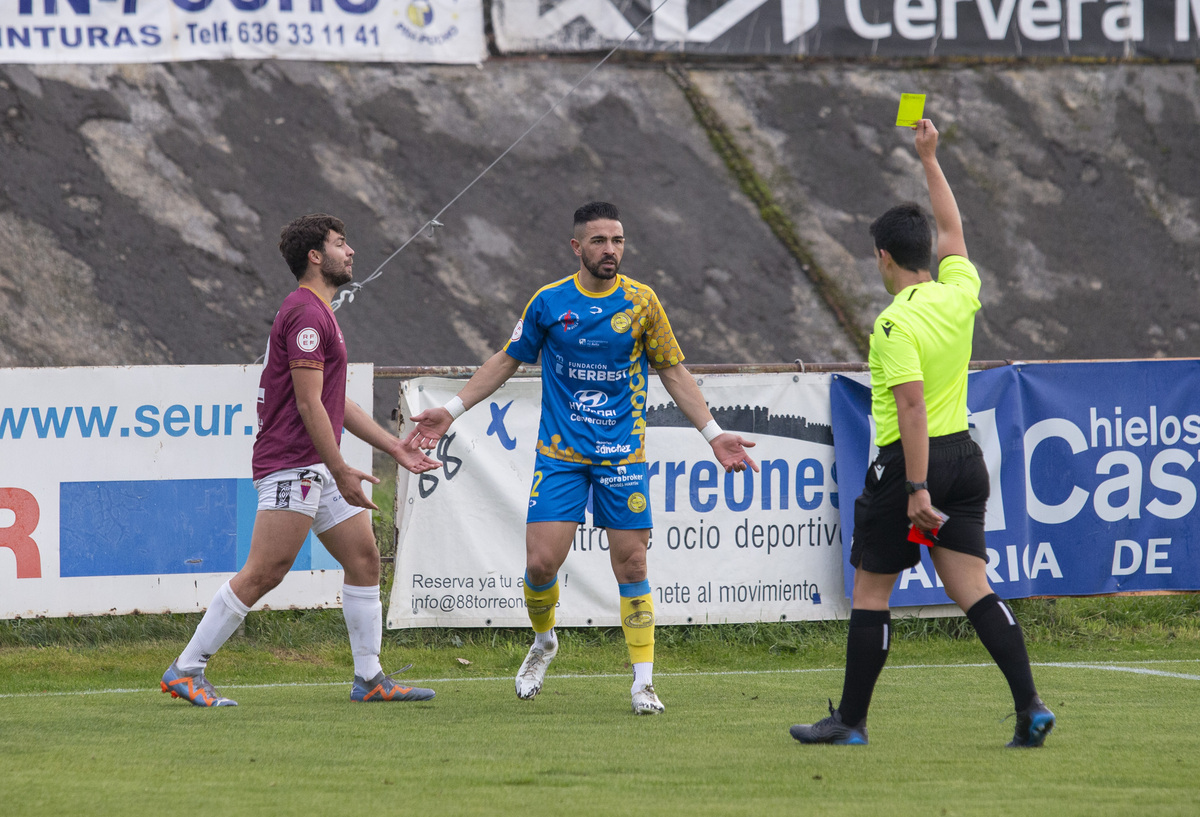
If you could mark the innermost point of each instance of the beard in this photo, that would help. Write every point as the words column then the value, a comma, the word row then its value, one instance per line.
column 596, row 269
column 336, row 274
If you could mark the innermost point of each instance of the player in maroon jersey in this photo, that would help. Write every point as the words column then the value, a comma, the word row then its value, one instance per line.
column 302, row 480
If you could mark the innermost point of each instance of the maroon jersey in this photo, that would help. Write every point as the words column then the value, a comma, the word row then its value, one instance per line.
column 305, row 334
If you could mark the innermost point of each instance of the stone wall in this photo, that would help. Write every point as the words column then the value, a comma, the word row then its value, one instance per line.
column 140, row 206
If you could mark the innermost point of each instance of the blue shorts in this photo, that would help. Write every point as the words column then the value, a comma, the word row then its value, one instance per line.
column 618, row 494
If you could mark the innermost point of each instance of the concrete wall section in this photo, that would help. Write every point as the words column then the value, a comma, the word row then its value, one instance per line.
column 141, row 204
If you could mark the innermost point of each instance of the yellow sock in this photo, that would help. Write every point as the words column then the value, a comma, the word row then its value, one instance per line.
column 540, row 602
column 637, row 620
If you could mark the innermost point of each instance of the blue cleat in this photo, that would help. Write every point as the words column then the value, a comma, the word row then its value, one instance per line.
column 831, row 730
column 194, row 688
column 382, row 688
column 1033, row 725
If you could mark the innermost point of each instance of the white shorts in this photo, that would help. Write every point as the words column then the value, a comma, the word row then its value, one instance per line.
column 311, row 491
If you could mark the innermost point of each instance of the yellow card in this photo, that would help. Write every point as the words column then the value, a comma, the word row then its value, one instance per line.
column 912, row 107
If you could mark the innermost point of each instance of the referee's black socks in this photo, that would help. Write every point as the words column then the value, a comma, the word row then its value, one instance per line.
column 867, row 646
column 999, row 631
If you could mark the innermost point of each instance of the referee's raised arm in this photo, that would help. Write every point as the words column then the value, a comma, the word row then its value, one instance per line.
column 950, row 240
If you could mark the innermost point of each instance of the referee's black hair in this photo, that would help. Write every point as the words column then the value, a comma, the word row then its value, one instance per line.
column 596, row 210
column 304, row 234
column 904, row 232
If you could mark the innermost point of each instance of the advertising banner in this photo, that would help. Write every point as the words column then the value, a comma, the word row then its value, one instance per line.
column 725, row 547
column 1093, row 476
column 128, row 31
column 1160, row 29
column 128, row 490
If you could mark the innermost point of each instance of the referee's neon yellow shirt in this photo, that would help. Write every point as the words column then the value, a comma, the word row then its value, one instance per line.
column 925, row 334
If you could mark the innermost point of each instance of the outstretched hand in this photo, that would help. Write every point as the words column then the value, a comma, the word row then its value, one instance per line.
column 731, row 452
column 926, row 139
column 431, row 424
column 413, row 459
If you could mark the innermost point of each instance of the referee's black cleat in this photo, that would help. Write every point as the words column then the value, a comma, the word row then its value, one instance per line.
column 1033, row 724
column 831, row 730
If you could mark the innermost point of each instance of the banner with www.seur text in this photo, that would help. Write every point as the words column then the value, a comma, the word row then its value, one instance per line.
column 127, row 489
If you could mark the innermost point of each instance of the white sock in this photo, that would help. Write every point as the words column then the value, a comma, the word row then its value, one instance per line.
column 363, row 612
column 643, row 675
column 224, row 615
column 547, row 640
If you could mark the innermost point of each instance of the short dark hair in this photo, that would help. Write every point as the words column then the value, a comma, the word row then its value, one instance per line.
column 904, row 232
column 304, row 234
column 596, row 210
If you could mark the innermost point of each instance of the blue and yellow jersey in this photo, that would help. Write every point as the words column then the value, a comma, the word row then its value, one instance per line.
column 596, row 349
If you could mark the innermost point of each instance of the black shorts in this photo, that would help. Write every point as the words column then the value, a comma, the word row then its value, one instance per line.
column 958, row 486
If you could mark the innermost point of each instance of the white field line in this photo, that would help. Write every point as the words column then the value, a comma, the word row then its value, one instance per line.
column 1136, row 667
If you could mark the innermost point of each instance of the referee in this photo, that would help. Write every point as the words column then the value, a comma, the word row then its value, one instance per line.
column 929, row 474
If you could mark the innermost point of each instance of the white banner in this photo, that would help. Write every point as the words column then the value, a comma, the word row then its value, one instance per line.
column 1162, row 29
column 126, row 31
column 725, row 547
column 128, row 490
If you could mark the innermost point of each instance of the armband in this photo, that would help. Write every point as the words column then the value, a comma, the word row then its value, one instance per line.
column 455, row 406
column 711, row 431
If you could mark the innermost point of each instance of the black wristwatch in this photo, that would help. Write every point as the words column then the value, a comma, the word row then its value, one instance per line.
column 913, row 487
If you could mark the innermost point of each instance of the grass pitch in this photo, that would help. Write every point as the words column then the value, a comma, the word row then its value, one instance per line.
column 86, row 731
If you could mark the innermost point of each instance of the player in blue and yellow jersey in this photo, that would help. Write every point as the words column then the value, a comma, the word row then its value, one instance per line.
column 599, row 333
column 930, row 475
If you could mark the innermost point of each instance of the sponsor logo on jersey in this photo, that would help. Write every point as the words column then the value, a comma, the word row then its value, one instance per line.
column 591, row 398
column 595, row 310
column 516, row 335
column 569, row 320
column 308, row 339
column 593, row 344
column 596, row 374
column 620, row 323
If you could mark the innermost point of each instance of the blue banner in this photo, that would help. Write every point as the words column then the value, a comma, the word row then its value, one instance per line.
column 1093, row 471
column 163, row 527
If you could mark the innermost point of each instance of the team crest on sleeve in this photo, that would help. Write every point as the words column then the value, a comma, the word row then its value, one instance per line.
column 620, row 323
column 308, row 339
column 516, row 335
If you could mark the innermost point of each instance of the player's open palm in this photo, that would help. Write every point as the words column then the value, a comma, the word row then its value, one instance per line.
column 431, row 424
column 731, row 452
column 413, row 459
